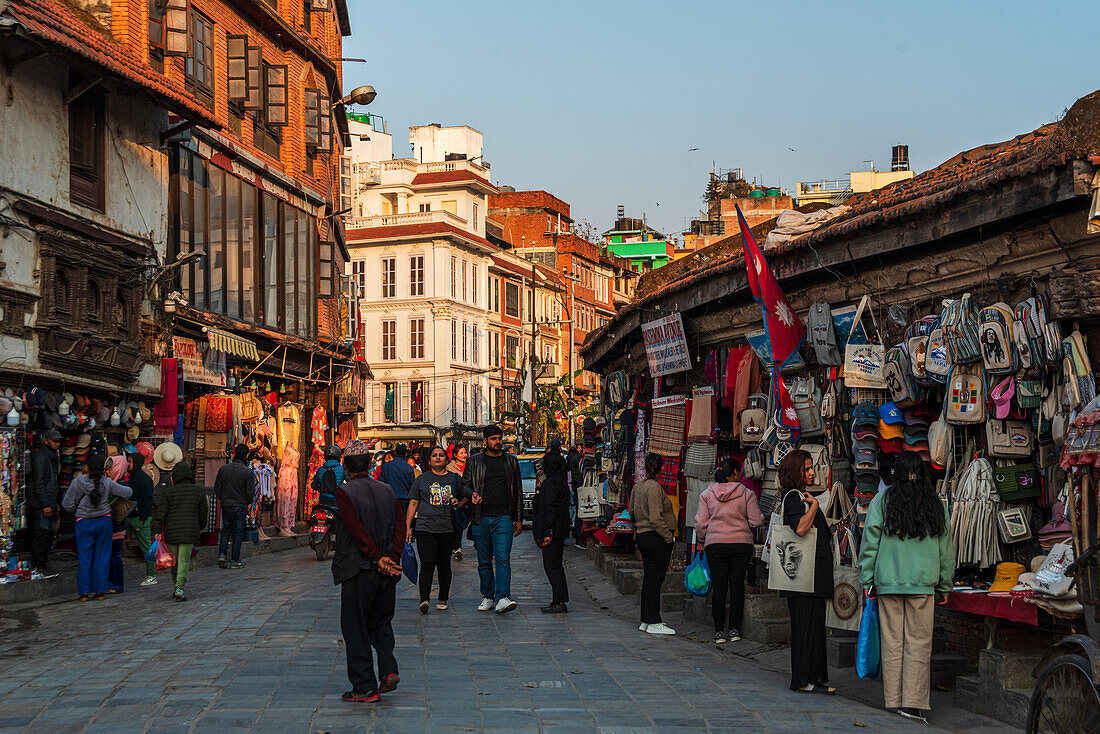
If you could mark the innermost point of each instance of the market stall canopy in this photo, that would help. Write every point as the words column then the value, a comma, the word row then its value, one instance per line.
column 232, row 344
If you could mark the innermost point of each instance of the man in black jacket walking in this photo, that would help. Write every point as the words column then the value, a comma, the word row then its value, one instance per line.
column 492, row 481
column 42, row 495
column 235, row 487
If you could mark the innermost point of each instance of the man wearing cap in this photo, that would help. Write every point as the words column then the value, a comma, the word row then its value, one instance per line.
column 492, row 481
column 42, row 493
column 370, row 535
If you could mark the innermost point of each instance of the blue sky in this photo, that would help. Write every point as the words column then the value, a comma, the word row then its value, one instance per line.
column 599, row 102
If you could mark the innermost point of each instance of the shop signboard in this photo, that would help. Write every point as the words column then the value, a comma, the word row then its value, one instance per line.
column 193, row 367
column 666, row 346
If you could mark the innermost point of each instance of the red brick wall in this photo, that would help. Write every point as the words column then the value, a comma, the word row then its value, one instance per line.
column 966, row 634
column 529, row 199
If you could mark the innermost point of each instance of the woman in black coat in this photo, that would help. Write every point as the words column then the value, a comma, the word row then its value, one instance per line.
column 550, row 525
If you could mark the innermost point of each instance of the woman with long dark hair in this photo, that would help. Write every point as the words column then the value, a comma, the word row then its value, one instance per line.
column 907, row 557
column 87, row 497
column 728, row 512
column 457, row 464
column 801, row 511
column 550, row 526
column 654, row 531
column 432, row 500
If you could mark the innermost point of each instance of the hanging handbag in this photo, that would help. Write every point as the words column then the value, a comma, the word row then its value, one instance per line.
column 792, row 558
column 1009, row 439
column 846, row 606
column 588, row 497
column 863, row 362
column 1012, row 525
column 1016, row 482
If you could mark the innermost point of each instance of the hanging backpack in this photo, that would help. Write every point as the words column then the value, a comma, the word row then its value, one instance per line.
column 754, row 419
column 1009, row 439
column 964, row 401
column 806, row 397
column 617, row 388
column 903, row 388
column 999, row 353
column 960, row 331
column 819, row 455
column 1031, row 334
column 936, row 364
column 916, row 344
column 941, row 443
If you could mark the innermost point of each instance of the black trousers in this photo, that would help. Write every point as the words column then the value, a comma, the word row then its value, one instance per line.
column 555, row 571
column 728, row 563
column 41, row 538
column 456, row 541
column 366, row 615
column 434, row 550
column 809, row 663
column 656, row 554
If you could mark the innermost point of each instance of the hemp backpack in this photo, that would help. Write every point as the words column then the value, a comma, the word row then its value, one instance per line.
column 964, row 401
column 960, row 331
column 999, row 353
column 903, row 388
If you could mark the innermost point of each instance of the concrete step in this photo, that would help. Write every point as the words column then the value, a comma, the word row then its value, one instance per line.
column 674, row 601
column 1016, row 703
column 947, row 667
column 765, row 605
column 841, row 649
column 629, row 581
column 767, row 631
column 1003, row 669
column 967, row 692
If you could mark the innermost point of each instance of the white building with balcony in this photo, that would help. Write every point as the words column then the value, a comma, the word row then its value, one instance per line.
column 420, row 260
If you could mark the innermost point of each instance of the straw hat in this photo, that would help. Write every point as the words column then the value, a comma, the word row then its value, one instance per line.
column 133, row 433
column 1008, row 574
column 167, row 455
column 146, row 414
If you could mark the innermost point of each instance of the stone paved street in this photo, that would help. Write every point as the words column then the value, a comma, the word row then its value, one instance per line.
column 260, row 650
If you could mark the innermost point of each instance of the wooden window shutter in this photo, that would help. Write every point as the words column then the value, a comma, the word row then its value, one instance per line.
column 318, row 6
column 237, row 67
column 156, row 24
column 254, row 98
column 325, row 114
column 313, row 124
column 275, row 95
column 177, row 28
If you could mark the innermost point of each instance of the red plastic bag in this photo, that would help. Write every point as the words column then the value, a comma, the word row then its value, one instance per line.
column 165, row 559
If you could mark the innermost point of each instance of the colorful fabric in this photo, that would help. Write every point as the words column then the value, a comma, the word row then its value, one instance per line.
column 669, row 478
column 667, row 432
column 166, row 413
column 316, row 460
column 703, row 419
column 640, row 443
column 700, row 460
column 219, row 414
column 286, row 491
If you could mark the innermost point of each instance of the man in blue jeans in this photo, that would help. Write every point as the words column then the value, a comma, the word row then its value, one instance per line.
column 492, row 481
column 235, row 487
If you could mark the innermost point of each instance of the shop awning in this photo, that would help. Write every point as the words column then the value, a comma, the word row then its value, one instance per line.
column 232, row 344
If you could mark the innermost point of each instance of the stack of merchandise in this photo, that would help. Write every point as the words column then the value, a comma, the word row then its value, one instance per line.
column 865, row 450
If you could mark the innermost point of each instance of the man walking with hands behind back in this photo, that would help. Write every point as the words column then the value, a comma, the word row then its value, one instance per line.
column 492, row 481
column 370, row 535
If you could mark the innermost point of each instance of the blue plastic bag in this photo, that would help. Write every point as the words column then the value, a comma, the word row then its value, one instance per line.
column 697, row 575
column 151, row 554
column 868, row 655
column 408, row 563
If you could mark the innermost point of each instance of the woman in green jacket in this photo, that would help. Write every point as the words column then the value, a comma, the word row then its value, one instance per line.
column 181, row 516
column 907, row 557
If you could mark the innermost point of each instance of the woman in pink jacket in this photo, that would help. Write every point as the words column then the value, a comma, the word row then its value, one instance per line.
column 728, row 512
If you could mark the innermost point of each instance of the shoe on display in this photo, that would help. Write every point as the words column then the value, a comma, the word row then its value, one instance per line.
column 733, row 635
column 222, row 563
column 505, row 605
column 660, row 629
column 486, row 605
column 643, row 627
column 149, row 581
column 720, row 638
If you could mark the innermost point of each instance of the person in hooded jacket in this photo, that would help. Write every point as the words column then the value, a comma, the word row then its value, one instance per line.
column 550, row 526
column 142, row 516
column 333, row 455
column 724, row 523
column 180, row 516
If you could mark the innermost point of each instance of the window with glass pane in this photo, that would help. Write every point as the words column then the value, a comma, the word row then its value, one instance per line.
column 511, row 299
column 199, row 66
column 463, row 280
column 290, row 268
column 185, row 221
column 389, row 277
column 473, row 283
column 215, row 255
column 325, row 264
column 416, row 275
column 454, row 275
column 199, row 176
column 389, row 340
column 416, row 400
column 454, row 339
column 249, row 294
column 307, row 256
column 359, row 274
column 454, row 402
column 270, row 271
column 465, row 343
column 465, row 403
column 511, row 350
column 232, row 247
column 473, row 343
column 416, row 339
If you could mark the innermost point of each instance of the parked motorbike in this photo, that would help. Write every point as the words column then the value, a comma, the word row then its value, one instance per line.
column 322, row 530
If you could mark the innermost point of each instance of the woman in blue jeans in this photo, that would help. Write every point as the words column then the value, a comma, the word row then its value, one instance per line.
column 87, row 497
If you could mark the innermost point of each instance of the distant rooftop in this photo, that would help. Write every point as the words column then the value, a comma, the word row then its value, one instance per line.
column 377, row 122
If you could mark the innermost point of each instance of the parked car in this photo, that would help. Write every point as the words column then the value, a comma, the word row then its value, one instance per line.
column 528, row 469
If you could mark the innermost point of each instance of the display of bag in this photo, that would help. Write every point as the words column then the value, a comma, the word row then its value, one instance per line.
column 936, row 364
column 754, row 419
column 916, row 344
column 1029, row 339
column 941, row 443
column 898, row 374
column 588, row 496
column 846, row 607
column 973, row 521
column 995, row 324
column 806, row 397
column 1029, row 394
column 791, row 558
column 617, row 388
column 1012, row 525
column 819, row 455
column 1009, row 439
column 965, row 398
column 959, row 322
column 822, row 334
column 863, row 360
column 1016, row 482
column 753, row 467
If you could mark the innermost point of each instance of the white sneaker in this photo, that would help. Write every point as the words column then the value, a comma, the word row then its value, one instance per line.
column 643, row 627
column 505, row 605
column 486, row 605
column 149, row 581
column 660, row 629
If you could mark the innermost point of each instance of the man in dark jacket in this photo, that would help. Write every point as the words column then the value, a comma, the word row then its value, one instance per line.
column 370, row 535
column 235, row 487
column 140, row 520
column 550, row 526
column 399, row 475
column 492, row 481
column 42, row 495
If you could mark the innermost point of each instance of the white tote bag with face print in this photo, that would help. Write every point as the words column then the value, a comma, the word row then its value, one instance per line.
column 792, row 558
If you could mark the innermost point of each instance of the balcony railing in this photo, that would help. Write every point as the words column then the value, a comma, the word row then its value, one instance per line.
column 398, row 220
column 460, row 165
column 824, row 186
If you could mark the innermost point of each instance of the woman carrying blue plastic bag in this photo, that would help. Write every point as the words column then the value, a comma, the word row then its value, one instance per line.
column 907, row 562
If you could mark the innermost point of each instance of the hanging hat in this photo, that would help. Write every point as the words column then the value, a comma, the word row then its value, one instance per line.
column 133, row 433
column 103, row 415
column 112, row 450
column 865, row 414
column 5, row 406
column 84, row 441
column 17, row 402
column 145, row 449
column 1002, row 396
column 34, row 398
column 151, row 469
column 144, row 412
column 889, row 431
column 167, row 455
column 889, row 413
column 1007, row 576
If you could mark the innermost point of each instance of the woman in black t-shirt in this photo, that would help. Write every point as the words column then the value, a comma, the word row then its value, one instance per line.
column 432, row 499
column 801, row 511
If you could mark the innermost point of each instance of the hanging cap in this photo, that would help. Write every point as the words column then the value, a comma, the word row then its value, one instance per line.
column 1002, row 397
column 889, row 413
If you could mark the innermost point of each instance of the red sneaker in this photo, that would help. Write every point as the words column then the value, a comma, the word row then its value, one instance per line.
column 361, row 697
column 389, row 683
